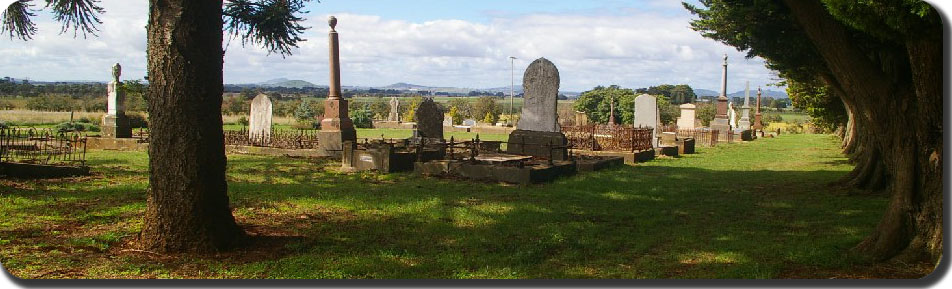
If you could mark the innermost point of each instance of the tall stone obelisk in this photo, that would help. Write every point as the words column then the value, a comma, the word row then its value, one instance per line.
column 721, row 121
column 758, row 118
column 336, row 127
column 115, row 124
column 744, row 123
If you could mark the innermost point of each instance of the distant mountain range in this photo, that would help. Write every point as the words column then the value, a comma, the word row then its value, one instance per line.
column 410, row 87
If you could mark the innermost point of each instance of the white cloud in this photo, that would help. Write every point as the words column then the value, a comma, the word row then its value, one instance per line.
column 631, row 48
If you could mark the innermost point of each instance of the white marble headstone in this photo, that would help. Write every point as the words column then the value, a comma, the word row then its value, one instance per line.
column 688, row 114
column 260, row 119
column 646, row 115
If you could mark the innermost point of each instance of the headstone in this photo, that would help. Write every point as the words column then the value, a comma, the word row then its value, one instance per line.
column 581, row 118
column 336, row 126
column 448, row 120
column 669, row 138
column 469, row 122
column 744, row 122
column 541, row 86
column 394, row 109
column 259, row 122
column 115, row 124
column 538, row 133
column 646, row 115
column 688, row 115
column 731, row 115
column 429, row 120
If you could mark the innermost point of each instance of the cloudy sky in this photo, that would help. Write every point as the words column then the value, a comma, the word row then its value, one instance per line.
column 428, row 42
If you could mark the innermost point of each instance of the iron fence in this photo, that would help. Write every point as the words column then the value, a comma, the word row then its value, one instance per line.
column 284, row 139
column 609, row 137
column 42, row 146
column 702, row 136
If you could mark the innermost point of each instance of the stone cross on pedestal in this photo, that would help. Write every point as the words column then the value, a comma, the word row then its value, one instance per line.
column 336, row 127
column 611, row 113
column 115, row 124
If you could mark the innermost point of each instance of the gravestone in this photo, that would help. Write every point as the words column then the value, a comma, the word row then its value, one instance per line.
column 259, row 122
column 688, row 115
column 744, row 122
column 394, row 109
column 429, row 120
column 469, row 122
column 646, row 115
column 115, row 124
column 581, row 119
column 448, row 120
column 541, row 86
column 538, row 133
column 731, row 115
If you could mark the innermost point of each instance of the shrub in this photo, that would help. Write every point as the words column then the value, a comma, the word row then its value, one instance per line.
column 362, row 118
column 76, row 127
column 243, row 121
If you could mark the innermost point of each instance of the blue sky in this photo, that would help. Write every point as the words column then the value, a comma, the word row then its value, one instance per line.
column 428, row 42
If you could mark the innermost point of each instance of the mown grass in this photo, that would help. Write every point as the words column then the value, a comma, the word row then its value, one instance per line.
column 751, row 210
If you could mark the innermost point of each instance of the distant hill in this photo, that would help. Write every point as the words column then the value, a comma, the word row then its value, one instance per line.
column 284, row 82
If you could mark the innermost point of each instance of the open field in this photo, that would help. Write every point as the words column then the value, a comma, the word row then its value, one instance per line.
column 749, row 210
column 42, row 118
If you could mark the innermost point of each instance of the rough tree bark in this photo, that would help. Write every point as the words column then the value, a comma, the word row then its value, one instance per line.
column 188, row 207
column 905, row 113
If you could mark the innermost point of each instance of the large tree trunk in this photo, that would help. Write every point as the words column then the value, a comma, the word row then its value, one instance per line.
column 905, row 115
column 187, row 201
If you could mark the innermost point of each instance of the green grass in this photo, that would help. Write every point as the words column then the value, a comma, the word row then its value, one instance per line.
column 750, row 210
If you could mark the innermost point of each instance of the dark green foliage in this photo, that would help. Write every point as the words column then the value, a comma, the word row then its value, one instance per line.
column 824, row 107
column 76, row 127
column 596, row 103
column 362, row 117
column 677, row 94
column 78, row 15
column 486, row 109
column 304, row 111
column 273, row 24
column 464, row 108
column 16, row 20
column 706, row 112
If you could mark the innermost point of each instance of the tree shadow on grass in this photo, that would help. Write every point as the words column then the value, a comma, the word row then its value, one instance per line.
column 631, row 222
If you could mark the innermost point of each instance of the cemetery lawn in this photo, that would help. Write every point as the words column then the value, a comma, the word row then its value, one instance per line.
column 751, row 210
